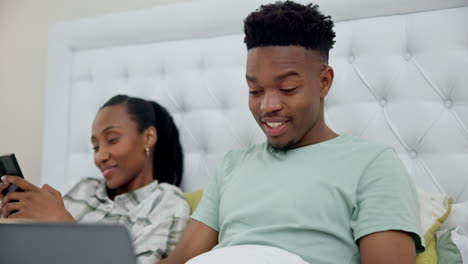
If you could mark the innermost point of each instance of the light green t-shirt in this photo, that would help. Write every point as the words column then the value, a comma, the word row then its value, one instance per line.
column 315, row 201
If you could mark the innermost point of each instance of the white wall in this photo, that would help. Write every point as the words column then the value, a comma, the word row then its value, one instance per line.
column 23, row 54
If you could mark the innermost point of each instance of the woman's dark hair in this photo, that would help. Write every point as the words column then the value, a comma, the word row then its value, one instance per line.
column 168, row 155
column 289, row 23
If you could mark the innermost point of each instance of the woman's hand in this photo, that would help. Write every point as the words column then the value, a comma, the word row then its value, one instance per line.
column 36, row 203
column 3, row 186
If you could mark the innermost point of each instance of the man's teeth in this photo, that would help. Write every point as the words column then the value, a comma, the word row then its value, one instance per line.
column 274, row 124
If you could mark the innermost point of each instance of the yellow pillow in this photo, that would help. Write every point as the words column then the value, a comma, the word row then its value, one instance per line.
column 193, row 199
column 435, row 209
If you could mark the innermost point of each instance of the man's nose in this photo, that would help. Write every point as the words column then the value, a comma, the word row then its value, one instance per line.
column 271, row 102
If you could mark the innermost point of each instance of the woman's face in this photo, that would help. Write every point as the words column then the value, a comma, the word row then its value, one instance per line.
column 119, row 149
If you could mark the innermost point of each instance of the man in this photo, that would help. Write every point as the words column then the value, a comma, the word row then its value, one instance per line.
column 307, row 195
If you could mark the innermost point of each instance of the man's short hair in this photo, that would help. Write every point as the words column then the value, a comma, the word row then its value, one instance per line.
column 289, row 23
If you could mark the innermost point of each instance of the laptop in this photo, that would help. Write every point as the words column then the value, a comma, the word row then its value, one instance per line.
column 65, row 243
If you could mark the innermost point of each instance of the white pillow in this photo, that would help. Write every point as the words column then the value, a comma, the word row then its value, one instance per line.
column 434, row 210
column 458, row 217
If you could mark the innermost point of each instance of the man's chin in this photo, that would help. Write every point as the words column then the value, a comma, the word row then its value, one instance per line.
column 281, row 148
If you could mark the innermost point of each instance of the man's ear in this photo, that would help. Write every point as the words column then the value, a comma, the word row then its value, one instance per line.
column 326, row 80
column 150, row 137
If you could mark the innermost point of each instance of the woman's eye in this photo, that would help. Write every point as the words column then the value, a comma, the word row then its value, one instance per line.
column 255, row 92
column 112, row 140
column 95, row 148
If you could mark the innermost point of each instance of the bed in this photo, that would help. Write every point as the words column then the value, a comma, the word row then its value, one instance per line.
column 401, row 78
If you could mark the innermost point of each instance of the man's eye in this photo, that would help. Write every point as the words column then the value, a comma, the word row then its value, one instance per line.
column 288, row 90
column 95, row 148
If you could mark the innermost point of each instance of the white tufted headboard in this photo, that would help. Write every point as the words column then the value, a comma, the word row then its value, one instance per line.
column 401, row 78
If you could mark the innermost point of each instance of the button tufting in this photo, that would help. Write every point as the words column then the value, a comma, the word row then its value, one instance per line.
column 351, row 59
column 125, row 73
column 202, row 65
column 183, row 107
column 407, row 56
column 224, row 104
column 383, row 102
column 90, row 75
column 163, row 71
column 448, row 103
column 412, row 154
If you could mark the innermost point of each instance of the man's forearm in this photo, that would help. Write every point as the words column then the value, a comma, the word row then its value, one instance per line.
column 197, row 239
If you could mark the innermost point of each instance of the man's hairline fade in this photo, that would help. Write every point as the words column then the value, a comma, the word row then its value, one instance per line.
column 290, row 24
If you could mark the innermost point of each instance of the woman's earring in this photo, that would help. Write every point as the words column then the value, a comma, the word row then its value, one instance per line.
column 147, row 151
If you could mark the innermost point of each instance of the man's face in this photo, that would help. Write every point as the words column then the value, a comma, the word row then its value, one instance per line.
column 286, row 93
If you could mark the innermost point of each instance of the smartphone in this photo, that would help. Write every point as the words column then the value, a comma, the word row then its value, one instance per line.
column 9, row 166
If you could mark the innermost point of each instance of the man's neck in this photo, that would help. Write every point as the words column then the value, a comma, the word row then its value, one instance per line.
column 319, row 133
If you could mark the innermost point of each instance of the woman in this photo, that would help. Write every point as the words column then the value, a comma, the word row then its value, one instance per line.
column 136, row 147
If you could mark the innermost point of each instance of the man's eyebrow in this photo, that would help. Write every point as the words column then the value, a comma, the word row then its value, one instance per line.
column 277, row 78
column 286, row 75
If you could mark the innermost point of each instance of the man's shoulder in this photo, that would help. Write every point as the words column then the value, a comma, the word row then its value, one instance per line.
column 378, row 158
column 364, row 145
column 358, row 152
